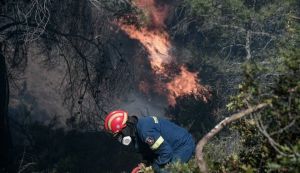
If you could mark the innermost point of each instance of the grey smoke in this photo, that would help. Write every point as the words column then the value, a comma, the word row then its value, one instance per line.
column 141, row 105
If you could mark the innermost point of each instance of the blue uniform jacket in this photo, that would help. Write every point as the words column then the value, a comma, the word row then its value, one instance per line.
column 167, row 140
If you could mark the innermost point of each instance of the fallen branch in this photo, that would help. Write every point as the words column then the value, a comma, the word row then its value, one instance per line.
column 199, row 149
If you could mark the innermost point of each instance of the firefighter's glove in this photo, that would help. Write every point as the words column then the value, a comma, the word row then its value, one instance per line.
column 136, row 170
column 141, row 168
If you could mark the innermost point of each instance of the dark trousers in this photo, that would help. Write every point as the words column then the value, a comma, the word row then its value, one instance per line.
column 185, row 152
column 182, row 154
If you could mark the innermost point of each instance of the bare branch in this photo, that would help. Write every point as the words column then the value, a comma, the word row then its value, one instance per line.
column 294, row 17
column 272, row 142
column 199, row 149
column 26, row 166
column 241, row 29
column 247, row 47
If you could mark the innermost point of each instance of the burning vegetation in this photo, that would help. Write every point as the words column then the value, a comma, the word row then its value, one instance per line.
column 157, row 43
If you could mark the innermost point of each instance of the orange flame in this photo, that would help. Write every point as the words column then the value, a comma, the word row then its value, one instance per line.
column 157, row 43
column 186, row 83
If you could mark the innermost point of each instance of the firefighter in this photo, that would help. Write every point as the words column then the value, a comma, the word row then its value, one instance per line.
column 158, row 140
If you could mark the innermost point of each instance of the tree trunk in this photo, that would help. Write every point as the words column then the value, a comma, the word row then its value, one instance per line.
column 5, row 137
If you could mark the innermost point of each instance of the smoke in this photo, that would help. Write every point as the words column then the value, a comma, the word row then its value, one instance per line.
column 38, row 93
column 137, row 104
column 156, row 11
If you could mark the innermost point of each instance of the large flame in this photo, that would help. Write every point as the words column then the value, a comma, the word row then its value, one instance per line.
column 157, row 43
column 186, row 83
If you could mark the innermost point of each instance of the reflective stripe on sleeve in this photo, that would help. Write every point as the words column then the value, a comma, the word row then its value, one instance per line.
column 157, row 143
column 155, row 119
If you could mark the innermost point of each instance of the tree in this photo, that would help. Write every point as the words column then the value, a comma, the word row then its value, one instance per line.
column 271, row 75
column 272, row 130
column 78, row 34
column 6, row 145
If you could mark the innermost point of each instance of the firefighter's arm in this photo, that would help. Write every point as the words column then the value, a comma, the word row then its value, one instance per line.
column 151, row 136
column 163, row 150
column 159, row 146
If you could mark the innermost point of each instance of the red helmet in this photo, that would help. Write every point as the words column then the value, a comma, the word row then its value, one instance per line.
column 116, row 121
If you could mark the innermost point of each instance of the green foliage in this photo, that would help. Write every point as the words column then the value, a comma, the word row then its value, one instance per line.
column 201, row 7
column 287, row 164
column 178, row 167
column 269, row 140
column 276, row 148
column 223, row 26
column 190, row 167
column 222, row 146
column 239, row 12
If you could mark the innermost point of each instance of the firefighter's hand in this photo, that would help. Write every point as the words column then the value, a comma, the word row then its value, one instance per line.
column 138, row 169
column 141, row 165
column 141, row 168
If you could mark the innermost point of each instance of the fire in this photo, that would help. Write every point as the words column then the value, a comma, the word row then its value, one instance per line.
column 186, row 83
column 157, row 43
